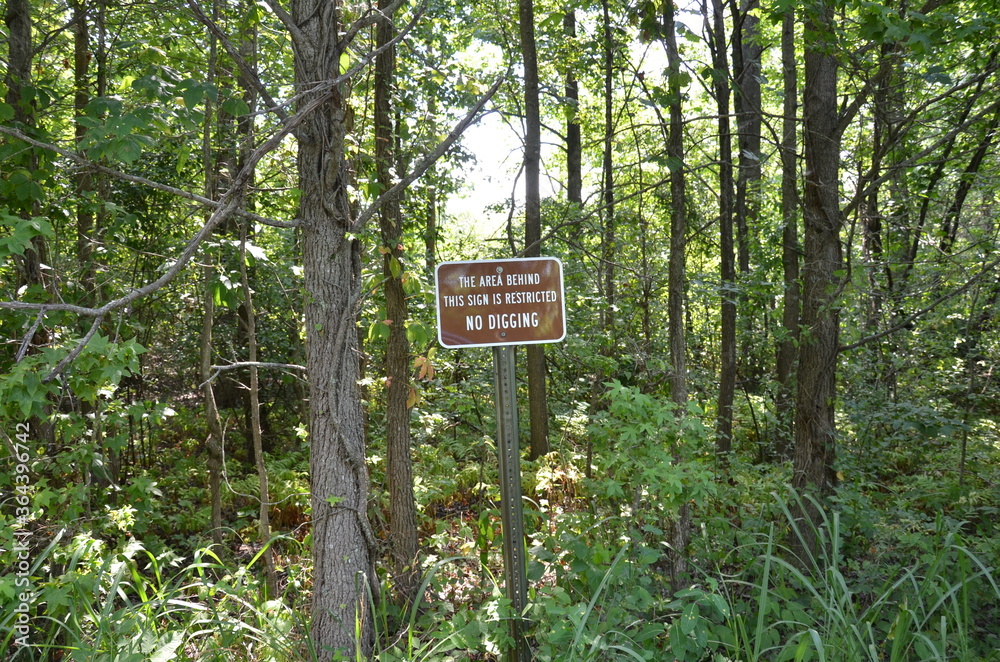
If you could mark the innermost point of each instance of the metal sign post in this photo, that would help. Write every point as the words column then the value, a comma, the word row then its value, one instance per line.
column 501, row 304
column 511, row 510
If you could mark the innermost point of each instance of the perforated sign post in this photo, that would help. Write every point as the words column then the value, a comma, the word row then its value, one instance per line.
column 502, row 304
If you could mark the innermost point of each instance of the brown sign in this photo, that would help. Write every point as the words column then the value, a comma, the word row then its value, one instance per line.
column 500, row 302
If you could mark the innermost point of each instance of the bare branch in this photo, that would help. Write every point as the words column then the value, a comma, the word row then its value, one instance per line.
column 228, row 205
column 23, row 349
column 69, row 358
column 372, row 16
column 287, row 20
column 135, row 179
column 219, row 369
column 430, row 159
column 247, row 70
column 987, row 269
column 912, row 160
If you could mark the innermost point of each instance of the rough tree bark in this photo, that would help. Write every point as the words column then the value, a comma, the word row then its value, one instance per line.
column 84, row 184
column 245, row 136
column 787, row 353
column 537, row 400
column 214, row 440
column 746, row 205
column 608, row 240
column 727, row 262
column 213, row 443
column 574, row 143
column 678, row 221
column 403, row 540
column 343, row 544
column 681, row 533
column 746, row 67
column 18, row 75
column 431, row 227
column 815, row 430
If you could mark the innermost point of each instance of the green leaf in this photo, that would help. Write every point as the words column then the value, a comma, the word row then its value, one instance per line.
column 128, row 150
column 236, row 107
column 552, row 22
column 690, row 618
column 417, row 333
column 193, row 96
column 168, row 650
column 378, row 331
column 720, row 604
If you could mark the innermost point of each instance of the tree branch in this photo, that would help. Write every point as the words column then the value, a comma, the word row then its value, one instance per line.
column 286, row 20
column 989, row 268
column 219, row 369
column 75, row 352
column 238, row 59
column 914, row 159
column 429, row 160
column 135, row 179
column 374, row 15
column 229, row 204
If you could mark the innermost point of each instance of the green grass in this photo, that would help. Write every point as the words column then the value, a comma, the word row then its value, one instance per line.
column 121, row 606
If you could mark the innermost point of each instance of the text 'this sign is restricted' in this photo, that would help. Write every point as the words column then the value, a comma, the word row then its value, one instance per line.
column 485, row 303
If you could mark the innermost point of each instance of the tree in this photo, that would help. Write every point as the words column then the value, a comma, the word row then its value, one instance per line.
column 213, row 421
column 344, row 547
column 537, row 400
column 678, row 217
column 746, row 204
column 815, row 429
column 727, row 264
column 574, row 145
column 788, row 343
column 403, row 542
column 17, row 80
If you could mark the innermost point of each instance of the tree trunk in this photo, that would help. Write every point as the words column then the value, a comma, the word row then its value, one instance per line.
column 431, row 228
column 264, row 523
column 815, row 431
column 245, row 136
column 746, row 207
column 84, row 185
column 608, row 248
column 681, row 533
column 950, row 223
column 788, row 345
column 214, row 440
column 746, row 65
column 605, row 267
column 18, row 75
column 343, row 544
column 537, row 400
column 213, row 443
column 20, row 52
column 574, row 143
column 403, row 540
column 727, row 351
column 678, row 222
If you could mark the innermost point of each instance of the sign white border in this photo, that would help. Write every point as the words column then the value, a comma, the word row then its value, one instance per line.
column 562, row 301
